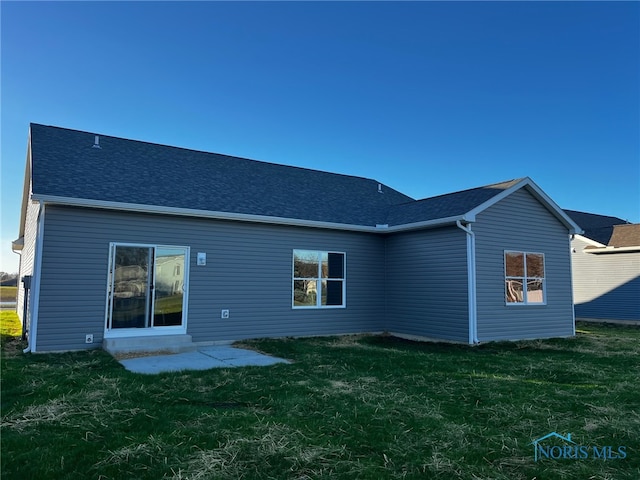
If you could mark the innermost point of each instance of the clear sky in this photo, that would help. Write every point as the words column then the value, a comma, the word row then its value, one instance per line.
column 426, row 97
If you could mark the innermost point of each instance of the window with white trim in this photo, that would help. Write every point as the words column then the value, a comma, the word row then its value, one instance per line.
column 147, row 286
column 524, row 278
column 318, row 279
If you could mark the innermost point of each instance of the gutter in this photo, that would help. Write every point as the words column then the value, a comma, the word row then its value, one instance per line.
column 16, row 248
column 607, row 249
column 471, row 279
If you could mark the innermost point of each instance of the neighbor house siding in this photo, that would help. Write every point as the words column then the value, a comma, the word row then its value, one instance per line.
column 248, row 271
column 27, row 254
column 519, row 222
column 605, row 286
column 427, row 284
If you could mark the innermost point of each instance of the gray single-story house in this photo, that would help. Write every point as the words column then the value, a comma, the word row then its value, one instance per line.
column 606, row 268
column 125, row 242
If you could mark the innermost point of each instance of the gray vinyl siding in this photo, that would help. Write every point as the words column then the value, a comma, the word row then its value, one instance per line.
column 427, row 290
column 605, row 286
column 27, row 253
column 521, row 223
column 248, row 271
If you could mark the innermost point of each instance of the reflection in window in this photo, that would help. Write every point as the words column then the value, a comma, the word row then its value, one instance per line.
column 131, row 286
column 318, row 279
column 524, row 278
column 147, row 286
column 169, row 286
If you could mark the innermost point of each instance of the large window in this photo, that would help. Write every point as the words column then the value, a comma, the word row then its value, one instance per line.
column 524, row 278
column 146, row 286
column 318, row 279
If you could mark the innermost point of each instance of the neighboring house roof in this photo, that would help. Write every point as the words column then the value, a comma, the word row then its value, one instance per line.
column 596, row 227
column 79, row 168
column 625, row 236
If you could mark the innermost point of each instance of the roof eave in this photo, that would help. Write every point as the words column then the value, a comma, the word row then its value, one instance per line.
column 26, row 189
column 242, row 217
column 542, row 197
column 189, row 212
column 438, row 222
column 590, row 241
column 606, row 249
column 17, row 244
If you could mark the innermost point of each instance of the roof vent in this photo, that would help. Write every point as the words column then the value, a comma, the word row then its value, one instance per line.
column 380, row 188
column 96, row 142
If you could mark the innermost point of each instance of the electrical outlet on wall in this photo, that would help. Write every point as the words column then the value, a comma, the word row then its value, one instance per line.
column 88, row 338
column 224, row 313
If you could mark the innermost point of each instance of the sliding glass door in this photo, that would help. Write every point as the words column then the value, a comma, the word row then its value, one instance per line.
column 147, row 286
column 169, row 286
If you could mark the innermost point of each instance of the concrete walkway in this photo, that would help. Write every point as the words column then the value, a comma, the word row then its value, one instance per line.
column 202, row 359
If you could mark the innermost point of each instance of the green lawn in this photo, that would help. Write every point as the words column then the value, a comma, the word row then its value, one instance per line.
column 10, row 326
column 365, row 407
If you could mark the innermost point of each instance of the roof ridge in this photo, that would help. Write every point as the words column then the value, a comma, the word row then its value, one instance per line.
column 205, row 152
column 178, row 178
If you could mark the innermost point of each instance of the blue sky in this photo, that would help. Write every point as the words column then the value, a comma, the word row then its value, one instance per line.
column 426, row 97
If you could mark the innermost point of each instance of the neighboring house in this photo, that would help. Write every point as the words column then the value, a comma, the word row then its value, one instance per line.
column 266, row 250
column 606, row 268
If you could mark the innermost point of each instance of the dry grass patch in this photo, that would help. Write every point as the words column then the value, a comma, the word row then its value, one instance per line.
column 152, row 448
column 269, row 445
column 87, row 407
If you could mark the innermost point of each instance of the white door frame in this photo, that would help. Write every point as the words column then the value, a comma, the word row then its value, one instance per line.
column 151, row 330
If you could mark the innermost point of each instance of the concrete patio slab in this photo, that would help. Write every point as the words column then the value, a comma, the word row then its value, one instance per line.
column 202, row 359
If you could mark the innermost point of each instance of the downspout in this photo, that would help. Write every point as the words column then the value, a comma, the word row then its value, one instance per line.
column 25, row 296
column 34, row 299
column 573, row 303
column 471, row 279
column 26, row 286
column 19, row 253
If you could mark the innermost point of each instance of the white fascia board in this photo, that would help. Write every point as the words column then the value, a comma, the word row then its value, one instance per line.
column 589, row 241
column 496, row 198
column 439, row 222
column 18, row 244
column 26, row 189
column 606, row 249
column 190, row 212
column 539, row 195
column 574, row 228
column 241, row 217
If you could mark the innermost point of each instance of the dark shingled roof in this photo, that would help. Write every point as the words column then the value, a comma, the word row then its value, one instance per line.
column 65, row 164
column 596, row 227
column 129, row 171
column 444, row 206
